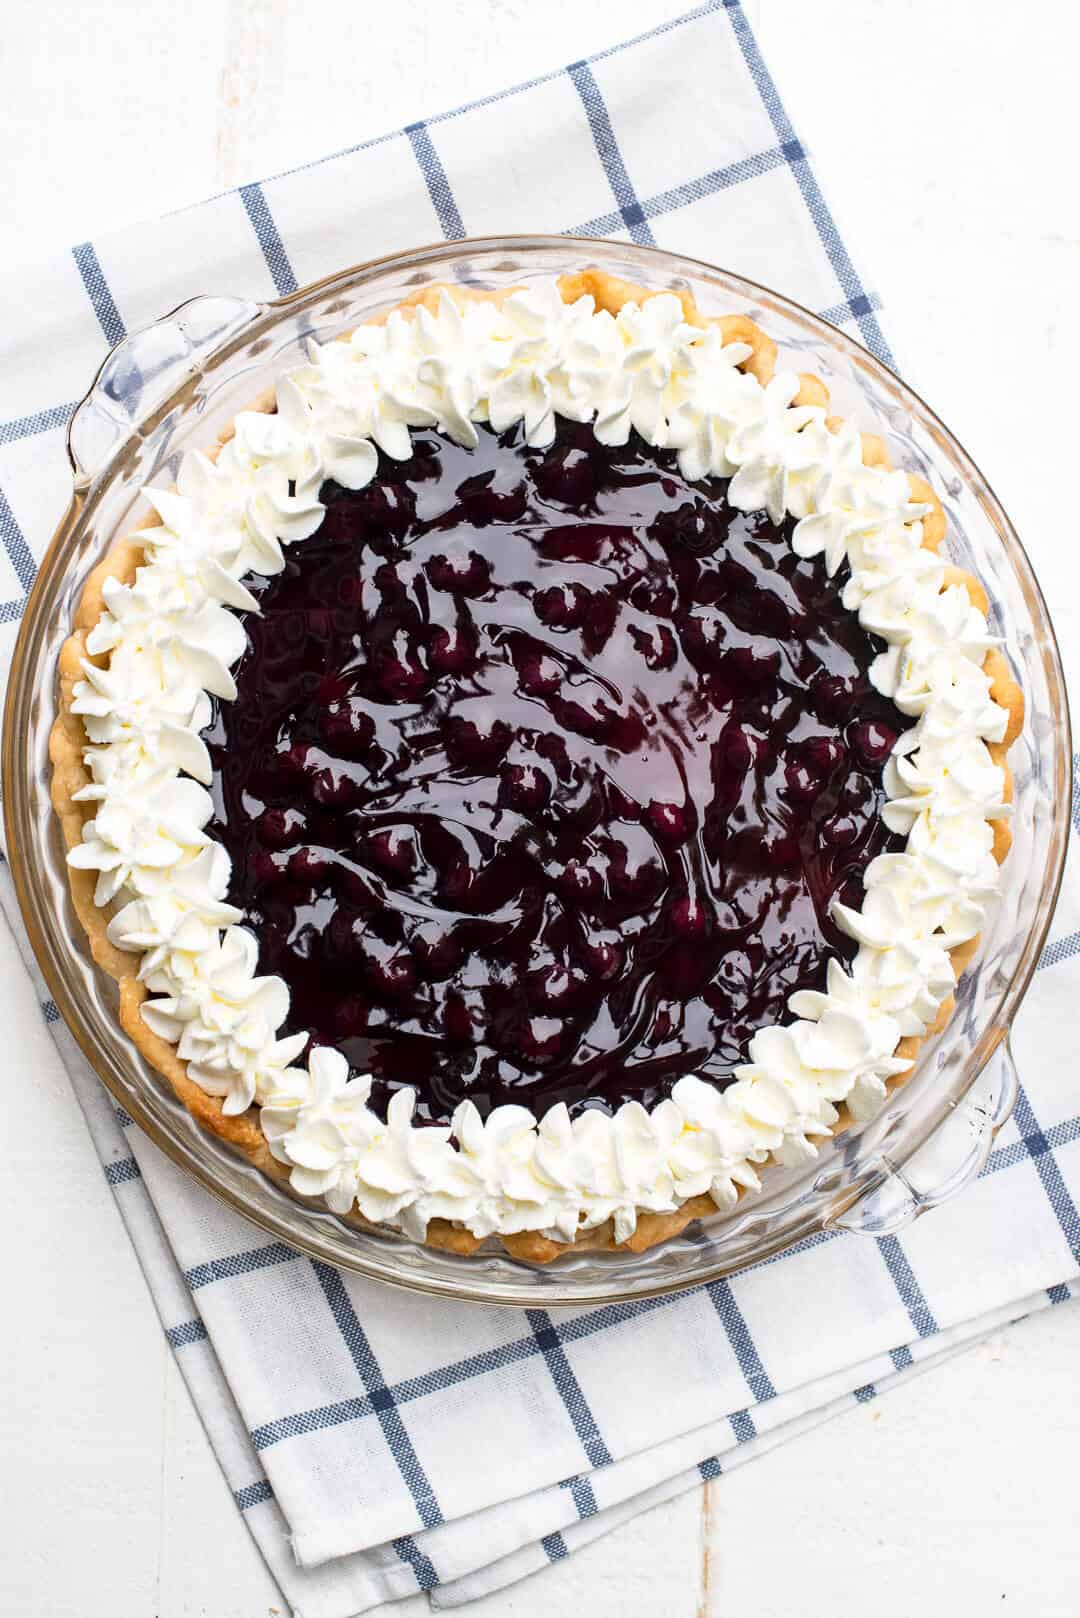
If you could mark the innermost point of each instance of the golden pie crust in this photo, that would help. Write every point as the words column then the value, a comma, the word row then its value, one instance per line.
column 69, row 774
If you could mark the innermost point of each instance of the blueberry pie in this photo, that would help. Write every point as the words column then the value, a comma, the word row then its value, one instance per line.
column 536, row 771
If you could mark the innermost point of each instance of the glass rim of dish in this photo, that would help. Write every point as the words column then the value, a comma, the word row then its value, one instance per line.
column 488, row 1276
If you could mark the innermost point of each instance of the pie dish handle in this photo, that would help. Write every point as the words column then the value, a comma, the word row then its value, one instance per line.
column 953, row 1157
column 142, row 373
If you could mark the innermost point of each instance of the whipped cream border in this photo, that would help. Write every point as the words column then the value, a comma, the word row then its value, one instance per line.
column 170, row 638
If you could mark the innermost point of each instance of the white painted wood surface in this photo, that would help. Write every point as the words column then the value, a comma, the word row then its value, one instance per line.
column 944, row 136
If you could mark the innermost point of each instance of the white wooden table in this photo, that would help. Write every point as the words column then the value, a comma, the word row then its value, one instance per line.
column 944, row 136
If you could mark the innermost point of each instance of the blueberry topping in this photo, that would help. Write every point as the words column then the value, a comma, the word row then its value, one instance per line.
column 545, row 768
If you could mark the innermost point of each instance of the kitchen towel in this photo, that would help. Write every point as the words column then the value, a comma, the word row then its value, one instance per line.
column 380, row 1444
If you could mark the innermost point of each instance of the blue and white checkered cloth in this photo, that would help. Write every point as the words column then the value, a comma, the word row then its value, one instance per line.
column 378, row 1443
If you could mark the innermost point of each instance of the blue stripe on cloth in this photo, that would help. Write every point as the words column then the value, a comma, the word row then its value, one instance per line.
column 224, row 1269
column 581, row 1492
column 865, row 1393
column 310, row 1421
column 569, row 1389
column 1004, row 1157
column 554, row 1547
column 97, row 290
column 611, row 158
column 273, row 248
column 901, row 1357
column 742, row 1425
column 11, row 611
column 11, row 535
column 1076, row 792
column 422, row 1565
column 612, row 1314
column 911, row 1296
column 190, row 1331
column 438, row 186
column 253, row 1494
column 1062, row 949
column 679, row 196
column 446, row 1376
column 41, row 422
column 120, row 1173
column 709, row 1469
column 123, row 1118
column 806, row 181
column 50, row 1011
column 1049, row 1172
column 738, row 1335
column 1058, row 1293
column 394, row 1429
column 850, row 309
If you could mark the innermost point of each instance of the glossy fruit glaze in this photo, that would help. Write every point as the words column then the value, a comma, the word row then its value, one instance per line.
column 544, row 769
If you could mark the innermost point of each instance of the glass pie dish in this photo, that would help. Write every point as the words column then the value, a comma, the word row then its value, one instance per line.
column 173, row 386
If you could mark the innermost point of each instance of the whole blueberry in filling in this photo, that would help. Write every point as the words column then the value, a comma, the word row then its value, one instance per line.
column 544, row 770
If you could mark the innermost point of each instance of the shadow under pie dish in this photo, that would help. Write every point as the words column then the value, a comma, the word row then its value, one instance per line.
column 582, row 669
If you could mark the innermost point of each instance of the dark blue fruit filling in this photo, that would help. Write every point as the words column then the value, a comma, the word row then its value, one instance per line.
column 544, row 769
